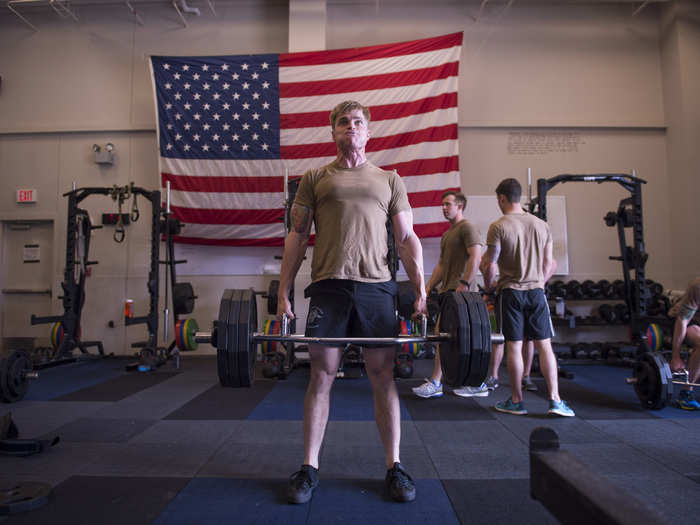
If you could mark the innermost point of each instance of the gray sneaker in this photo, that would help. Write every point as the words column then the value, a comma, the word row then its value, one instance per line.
column 528, row 384
column 428, row 389
column 472, row 391
column 491, row 383
column 560, row 408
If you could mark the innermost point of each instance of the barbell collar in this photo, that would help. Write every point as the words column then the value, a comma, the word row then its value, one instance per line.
column 202, row 337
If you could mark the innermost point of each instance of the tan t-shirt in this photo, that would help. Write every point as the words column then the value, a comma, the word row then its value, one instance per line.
column 351, row 207
column 688, row 305
column 522, row 238
column 454, row 254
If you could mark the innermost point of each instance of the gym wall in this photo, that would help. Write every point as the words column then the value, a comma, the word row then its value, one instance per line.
column 559, row 87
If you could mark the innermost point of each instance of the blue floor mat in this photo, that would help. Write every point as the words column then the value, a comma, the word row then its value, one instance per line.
column 64, row 379
column 225, row 501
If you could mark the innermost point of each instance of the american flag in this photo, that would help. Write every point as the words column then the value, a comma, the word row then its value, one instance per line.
column 230, row 127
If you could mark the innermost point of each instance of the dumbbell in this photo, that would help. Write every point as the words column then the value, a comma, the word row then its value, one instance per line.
column 590, row 289
column 574, row 290
column 607, row 313
column 606, row 288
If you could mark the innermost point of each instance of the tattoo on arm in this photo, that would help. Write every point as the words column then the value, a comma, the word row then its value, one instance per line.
column 301, row 218
column 492, row 253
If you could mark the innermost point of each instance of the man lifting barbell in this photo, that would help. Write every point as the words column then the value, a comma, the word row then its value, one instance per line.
column 349, row 201
column 686, row 329
column 519, row 251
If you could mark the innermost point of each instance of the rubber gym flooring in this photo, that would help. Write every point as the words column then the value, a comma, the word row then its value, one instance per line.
column 173, row 447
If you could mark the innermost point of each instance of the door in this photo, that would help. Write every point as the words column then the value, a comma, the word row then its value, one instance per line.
column 27, row 279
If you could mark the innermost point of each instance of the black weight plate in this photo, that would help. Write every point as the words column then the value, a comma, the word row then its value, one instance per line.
column 477, row 341
column 486, row 333
column 183, row 298
column 247, row 324
column 652, row 386
column 222, row 337
column 3, row 374
column 233, row 342
column 272, row 291
column 13, row 381
column 454, row 321
column 23, row 497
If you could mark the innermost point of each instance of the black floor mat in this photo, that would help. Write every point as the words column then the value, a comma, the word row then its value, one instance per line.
column 118, row 388
column 105, row 500
column 219, row 403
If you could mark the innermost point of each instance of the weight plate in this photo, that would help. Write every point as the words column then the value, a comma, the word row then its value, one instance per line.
column 473, row 375
column 23, row 497
column 184, row 335
column 653, row 386
column 272, row 291
column 247, row 324
column 232, row 339
column 486, row 318
column 183, row 298
column 454, row 354
column 13, row 376
column 222, row 334
column 272, row 326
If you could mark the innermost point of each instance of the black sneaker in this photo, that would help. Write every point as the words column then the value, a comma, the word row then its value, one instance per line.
column 302, row 484
column 399, row 484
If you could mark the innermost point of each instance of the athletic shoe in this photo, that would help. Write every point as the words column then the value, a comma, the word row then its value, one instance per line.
column 491, row 383
column 302, row 484
column 560, row 408
column 472, row 391
column 528, row 384
column 509, row 407
column 399, row 484
column 687, row 401
column 428, row 389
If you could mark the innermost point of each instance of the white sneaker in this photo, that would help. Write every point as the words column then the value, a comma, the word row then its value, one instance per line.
column 472, row 391
column 428, row 389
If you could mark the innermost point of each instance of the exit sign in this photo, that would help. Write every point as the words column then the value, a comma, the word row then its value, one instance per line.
column 26, row 195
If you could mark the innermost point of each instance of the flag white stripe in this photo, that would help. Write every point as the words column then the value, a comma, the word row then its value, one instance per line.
column 427, row 215
column 373, row 97
column 222, row 168
column 363, row 68
column 233, row 231
column 227, row 200
column 380, row 128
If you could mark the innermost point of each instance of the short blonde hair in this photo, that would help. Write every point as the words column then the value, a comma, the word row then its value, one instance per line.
column 345, row 107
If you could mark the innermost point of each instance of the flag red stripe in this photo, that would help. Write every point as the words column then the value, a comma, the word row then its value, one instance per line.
column 328, row 149
column 224, row 184
column 425, row 166
column 227, row 216
column 370, row 52
column 367, row 83
column 270, row 241
column 423, row 199
column 317, row 119
column 432, row 229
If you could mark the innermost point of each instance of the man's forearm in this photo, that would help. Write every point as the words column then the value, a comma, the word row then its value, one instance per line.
column 489, row 271
column 292, row 257
column 548, row 269
column 411, row 253
column 470, row 270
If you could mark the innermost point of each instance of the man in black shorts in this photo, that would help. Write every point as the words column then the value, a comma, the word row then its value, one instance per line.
column 352, row 295
column 519, row 250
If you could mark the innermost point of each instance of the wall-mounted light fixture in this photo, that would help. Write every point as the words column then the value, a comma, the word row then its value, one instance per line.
column 106, row 156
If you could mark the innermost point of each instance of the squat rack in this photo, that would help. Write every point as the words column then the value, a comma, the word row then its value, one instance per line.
column 628, row 215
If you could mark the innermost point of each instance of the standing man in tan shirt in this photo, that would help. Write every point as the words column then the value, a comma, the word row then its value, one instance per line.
column 519, row 251
column 352, row 294
column 460, row 254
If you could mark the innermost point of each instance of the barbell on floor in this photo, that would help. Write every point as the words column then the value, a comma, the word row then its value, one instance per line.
column 653, row 380
column 465, row 338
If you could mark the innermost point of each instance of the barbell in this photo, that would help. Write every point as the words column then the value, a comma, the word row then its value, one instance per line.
column 653, row 380
column 465, row 338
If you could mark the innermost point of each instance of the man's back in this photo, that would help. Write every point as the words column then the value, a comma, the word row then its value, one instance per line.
column 522, row 238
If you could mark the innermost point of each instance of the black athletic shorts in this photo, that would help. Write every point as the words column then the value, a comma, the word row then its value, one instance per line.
column 523, row 314
column 345, row 308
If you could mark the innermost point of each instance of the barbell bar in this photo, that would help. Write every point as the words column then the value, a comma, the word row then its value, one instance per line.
column 464, row 354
